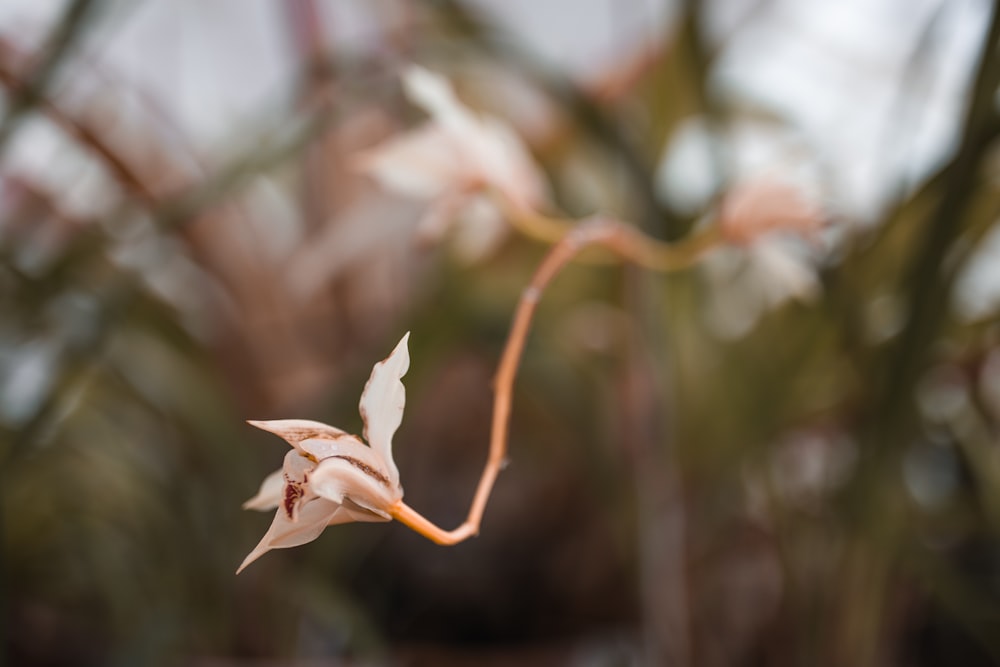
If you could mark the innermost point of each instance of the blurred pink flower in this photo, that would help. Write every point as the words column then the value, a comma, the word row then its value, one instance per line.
column 754, row 208
column 456, row 161
column 330, row 476
column 766, row 265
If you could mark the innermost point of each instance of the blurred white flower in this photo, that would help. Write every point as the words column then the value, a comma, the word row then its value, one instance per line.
column 457, row 160
column 330, row 476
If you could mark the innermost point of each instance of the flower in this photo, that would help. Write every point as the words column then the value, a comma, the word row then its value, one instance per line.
column 330, row 476
column 767, row 265
column 754, row 208
column 456, row 161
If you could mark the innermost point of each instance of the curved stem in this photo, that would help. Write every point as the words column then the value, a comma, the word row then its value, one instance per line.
column 630, row 242
column 621, row 239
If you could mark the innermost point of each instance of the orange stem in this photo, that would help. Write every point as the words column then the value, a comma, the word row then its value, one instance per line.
column 611, row 234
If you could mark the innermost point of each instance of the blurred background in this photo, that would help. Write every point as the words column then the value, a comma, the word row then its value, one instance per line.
column 702, row 472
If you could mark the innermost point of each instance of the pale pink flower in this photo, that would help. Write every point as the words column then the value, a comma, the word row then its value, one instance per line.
column 457, row 161
column 755, row 208
column 330, row 476
column 773, row 229
column 748, row 282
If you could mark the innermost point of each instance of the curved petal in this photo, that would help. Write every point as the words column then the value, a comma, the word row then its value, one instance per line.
column 269, row 495
column 441, row 215
column 350, row 511
column 507, row 164
column 295, row 431
column 382, row 404
column 295, row 492
column 343, row 478
column 754, row 208
column 423, row 163
column 783, row 275
column 344, row 445
column 434, row 94
column 313, row 517
column 493, row 153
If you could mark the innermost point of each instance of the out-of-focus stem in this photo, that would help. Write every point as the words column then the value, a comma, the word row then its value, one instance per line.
column 62, row 40
column 630, row 243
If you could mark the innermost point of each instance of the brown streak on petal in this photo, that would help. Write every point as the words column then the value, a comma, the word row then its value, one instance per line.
column 365, row 468
column 300, row 434
column 293, row 492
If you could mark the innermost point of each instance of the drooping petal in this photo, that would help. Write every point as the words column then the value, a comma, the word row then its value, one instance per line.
column 783, row 275
column 350, row 511
column 270, row 493
column 757, row 207
column 343, row 478
column 313, row 517
column 295, row 431
column 441, row 216
column 482, row 231
column 382, row 404
column 507, row 164
column 435, row 95
column 424, row 163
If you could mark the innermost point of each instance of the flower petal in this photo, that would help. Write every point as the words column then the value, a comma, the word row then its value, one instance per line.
column 434, row 94
column 783, row 274
column 270, row 493
column 352, row 512
column 346, row 444
column 753, row 208
column 346, row 478
column 507, row 164
column 313, row 517
column 482, row 231
column 295, row 431
column 424, row 163
column 382, row 404
column 441, row 216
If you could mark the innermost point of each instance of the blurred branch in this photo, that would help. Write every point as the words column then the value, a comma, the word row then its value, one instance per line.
column 59, row 44
column 87, row 135
column 879, row 505
column 308, row 36
column 126, row 288
column 930, row 280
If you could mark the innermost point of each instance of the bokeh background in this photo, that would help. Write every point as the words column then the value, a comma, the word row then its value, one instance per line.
column 698, row 475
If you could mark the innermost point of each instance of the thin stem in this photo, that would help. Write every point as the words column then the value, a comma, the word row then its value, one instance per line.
column 630, row 242
column 621, row 239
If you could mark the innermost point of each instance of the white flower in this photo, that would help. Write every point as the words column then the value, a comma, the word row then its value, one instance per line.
column 456, row 161
column 330, row 476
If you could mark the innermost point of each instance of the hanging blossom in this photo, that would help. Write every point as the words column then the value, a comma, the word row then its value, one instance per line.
column 767, row 221
column 753, row 209
column 457, row 161
column 330, row 476
column 761, row 215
